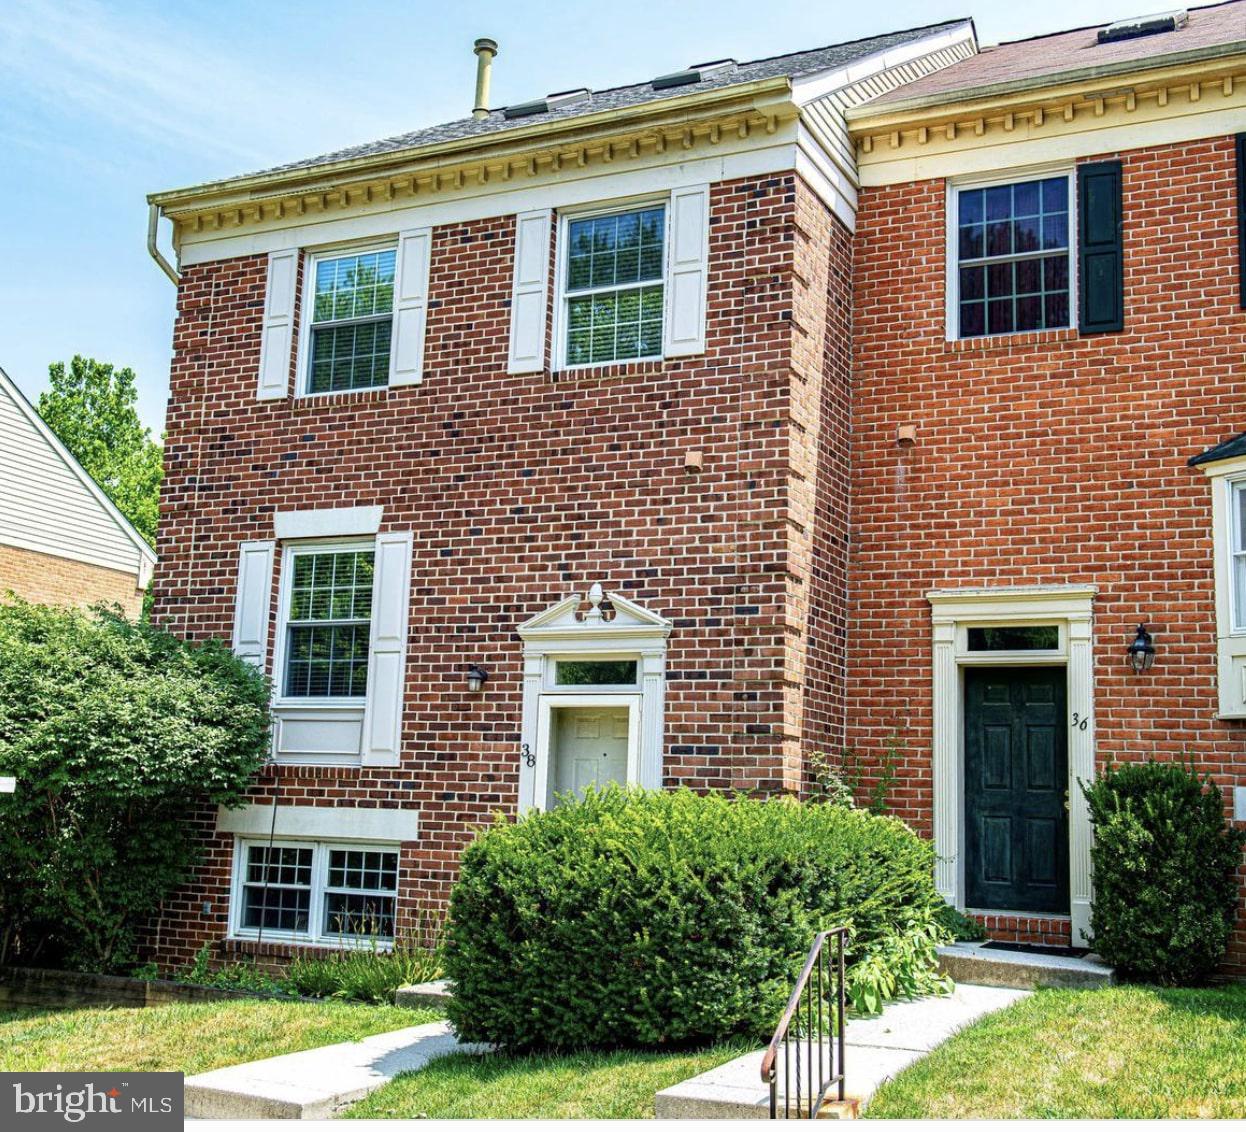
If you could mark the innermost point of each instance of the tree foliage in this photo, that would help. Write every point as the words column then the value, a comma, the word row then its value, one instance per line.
column 91, row 408
column 116, row 732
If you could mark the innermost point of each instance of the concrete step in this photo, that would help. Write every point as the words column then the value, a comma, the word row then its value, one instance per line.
column 436, row 993
column 977, row 965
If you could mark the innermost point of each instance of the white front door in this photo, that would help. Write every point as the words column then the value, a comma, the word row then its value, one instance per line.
column 588, row 747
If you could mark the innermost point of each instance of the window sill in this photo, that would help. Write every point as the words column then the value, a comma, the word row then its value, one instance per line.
column 343, row 397
column 289, row 947
column 986, row 343
column 637, row 367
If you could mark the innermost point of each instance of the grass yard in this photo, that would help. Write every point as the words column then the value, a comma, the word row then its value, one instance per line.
column 1124, row 1052
column 190, row 1037
column 585, row 1086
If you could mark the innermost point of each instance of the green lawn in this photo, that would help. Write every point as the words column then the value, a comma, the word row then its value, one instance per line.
column 584, row 1086
column 190, row 1037
column 1124, row 1052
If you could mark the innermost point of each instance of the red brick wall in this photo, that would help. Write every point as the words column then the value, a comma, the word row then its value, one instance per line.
column 519, row 491
column 1049, row 458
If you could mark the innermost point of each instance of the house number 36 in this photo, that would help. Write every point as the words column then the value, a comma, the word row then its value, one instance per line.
column 1080, row 722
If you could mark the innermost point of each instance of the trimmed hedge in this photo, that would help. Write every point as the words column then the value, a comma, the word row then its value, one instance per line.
column 649, row 918
column 1165, row 864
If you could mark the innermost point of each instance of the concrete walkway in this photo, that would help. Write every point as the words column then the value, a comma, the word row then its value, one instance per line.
column 876, row 1049
column 317, row 1083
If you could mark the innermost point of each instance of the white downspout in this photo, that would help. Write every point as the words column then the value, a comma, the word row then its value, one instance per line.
column 153, row 219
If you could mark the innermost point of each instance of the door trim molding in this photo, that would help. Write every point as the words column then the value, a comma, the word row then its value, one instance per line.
column 578, row 627
column 952, row 611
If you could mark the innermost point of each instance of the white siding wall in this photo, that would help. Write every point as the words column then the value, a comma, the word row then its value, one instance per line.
column 44, row 506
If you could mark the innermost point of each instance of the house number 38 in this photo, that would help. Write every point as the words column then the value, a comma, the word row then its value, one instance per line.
column 1080, row 722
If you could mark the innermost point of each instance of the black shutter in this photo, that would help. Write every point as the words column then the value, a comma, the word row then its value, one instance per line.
column 1101, row 260
column 1241, row 218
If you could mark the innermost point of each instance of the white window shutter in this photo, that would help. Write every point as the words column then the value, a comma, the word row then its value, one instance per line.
column 1231, row 677
column 530, row 292
column 686, row 272
column 391, row 597
column 277, row 339
column 253, row 601
column 406, row 353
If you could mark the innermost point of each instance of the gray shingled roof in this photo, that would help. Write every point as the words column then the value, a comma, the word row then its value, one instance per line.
column 1225, row 450
column 792, row 66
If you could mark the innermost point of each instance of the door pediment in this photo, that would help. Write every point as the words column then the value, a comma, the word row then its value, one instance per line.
column 598, row 617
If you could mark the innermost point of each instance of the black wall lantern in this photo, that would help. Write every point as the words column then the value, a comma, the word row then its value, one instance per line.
column 1142, row 651
column 476, row 677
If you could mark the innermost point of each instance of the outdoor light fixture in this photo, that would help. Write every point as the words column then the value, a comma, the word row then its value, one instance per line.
column 476, row 677
column 1142, row 651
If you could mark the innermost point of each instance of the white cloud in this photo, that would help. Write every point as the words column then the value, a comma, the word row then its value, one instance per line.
column 156, row 81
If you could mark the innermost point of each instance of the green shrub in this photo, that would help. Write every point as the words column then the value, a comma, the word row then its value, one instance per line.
column 959, row 926
column 115, row 732
column 366, row 975
column 637, row 918
column 241, row 975
column 1164, row 858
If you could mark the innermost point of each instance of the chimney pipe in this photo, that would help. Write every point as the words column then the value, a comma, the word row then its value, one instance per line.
column 485, row 50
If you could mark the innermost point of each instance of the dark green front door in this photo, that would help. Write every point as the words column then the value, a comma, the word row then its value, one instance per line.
column 1016, row 776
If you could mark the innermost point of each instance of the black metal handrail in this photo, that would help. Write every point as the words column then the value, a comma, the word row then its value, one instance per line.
column 814, row 1021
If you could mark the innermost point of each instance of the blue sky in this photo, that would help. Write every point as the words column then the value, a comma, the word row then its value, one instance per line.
column 101, row 103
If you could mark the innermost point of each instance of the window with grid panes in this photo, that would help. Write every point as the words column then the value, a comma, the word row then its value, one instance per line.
column 613, row 290
column 352, row 317
column 361, row 893
column 329, row 623
column 277, row 888
column 1012, row 248
column 1238, row 528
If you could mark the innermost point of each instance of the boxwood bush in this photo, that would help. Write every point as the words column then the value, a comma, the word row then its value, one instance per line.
column 649, row 918
column 1165, row 863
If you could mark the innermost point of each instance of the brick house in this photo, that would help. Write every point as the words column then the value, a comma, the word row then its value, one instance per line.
column 62, row 542
column 672, row 433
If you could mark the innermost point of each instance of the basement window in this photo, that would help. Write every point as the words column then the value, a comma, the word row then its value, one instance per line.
column 315, row 892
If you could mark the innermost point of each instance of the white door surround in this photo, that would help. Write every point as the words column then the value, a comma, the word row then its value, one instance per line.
column 579, row 629
column 590, row 740
column 953, row 612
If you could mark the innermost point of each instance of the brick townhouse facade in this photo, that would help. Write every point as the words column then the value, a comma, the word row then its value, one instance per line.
column 674, row 433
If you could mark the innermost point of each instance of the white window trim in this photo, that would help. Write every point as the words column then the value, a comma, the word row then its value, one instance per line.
column 1225, row 477
column 311, row 708
column 954, row 186
column 565, row 218
column 320, row 876
column 302, row 369
column 1237, row 538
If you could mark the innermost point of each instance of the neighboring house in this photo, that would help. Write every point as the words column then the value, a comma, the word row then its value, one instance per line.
column 62, row 542
column 672, row 433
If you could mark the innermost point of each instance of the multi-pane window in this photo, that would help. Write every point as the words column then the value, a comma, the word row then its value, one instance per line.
column 613, row 286
column 319, row 891
column 1012, row 257
column 361, row 893
column 277, row 888
column 352, row 316
column 329, row 623
column 1238, row 524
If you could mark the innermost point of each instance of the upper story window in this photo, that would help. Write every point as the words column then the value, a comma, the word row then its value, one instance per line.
column 351, row 318
column 328, row 623
column 1011, row 260
column 613, row 291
